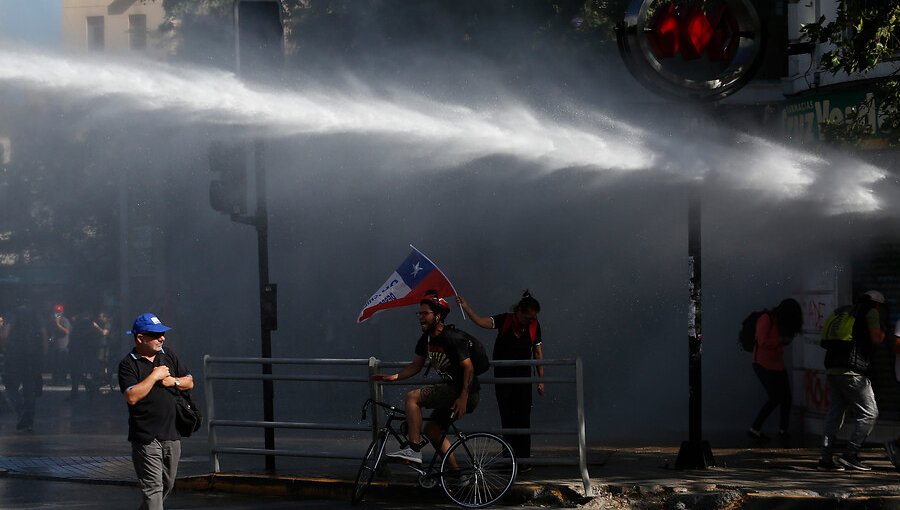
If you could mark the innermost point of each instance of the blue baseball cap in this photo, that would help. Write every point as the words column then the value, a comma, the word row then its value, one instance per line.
column 147, row 323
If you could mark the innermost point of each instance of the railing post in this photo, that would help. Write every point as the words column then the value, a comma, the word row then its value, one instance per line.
column 210, row 415
column 582, row 443
column 374, row 394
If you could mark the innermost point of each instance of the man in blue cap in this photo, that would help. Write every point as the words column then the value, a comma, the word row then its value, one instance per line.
column 150, row 377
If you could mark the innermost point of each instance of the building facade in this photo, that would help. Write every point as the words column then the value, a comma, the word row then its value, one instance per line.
column 812, row 97
column 119, row 26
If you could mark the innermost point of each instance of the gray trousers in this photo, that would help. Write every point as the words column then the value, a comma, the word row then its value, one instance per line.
column 156, row 465
column 849, row 395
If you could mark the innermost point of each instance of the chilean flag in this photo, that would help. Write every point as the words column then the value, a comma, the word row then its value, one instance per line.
column 408, row 284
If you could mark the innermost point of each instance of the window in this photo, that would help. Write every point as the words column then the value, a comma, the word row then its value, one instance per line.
column 137, row 31
column 96, row 38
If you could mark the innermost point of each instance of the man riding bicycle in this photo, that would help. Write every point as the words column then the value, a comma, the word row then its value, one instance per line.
column 457, row 395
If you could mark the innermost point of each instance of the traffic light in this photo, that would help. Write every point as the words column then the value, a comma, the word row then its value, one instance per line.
column 269, row 307
column 259, row 37
column 228, row 187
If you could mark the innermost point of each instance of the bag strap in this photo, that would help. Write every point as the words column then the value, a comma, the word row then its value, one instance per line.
column 184, row 394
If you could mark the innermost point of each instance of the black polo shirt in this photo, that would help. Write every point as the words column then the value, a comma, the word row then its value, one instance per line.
column 152, row 417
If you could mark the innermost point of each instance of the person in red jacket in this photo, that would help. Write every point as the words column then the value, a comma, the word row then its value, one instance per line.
column 774, row 330
column 518, row 338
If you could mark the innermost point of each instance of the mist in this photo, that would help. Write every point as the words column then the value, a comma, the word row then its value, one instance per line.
column 578, row 194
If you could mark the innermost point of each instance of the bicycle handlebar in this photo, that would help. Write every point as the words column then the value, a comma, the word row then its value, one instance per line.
column 387, row 407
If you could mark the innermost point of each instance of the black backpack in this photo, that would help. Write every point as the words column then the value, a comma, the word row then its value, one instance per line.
column 477, row 352
column 747, row 335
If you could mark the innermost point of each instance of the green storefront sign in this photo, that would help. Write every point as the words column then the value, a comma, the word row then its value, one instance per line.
column 802, row 117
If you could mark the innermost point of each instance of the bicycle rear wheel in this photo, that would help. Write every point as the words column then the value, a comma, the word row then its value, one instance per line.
column 367, row 468
column 487, row 469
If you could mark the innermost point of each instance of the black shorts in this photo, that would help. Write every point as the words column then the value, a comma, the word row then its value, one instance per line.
column 441, row 397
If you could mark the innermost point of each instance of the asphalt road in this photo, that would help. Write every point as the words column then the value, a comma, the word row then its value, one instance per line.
column 22, row 494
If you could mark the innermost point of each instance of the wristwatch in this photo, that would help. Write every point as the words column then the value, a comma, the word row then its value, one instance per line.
column 176, row 382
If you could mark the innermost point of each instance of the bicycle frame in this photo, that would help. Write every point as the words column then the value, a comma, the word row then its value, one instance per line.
column 402, row 439
column 471, row 477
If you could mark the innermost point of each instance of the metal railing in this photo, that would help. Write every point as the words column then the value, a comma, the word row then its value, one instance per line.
column 376, row 391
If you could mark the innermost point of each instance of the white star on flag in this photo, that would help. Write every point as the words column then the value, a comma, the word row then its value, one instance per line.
column 408, row 285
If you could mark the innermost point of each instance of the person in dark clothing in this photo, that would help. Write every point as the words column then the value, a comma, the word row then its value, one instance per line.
column 149, row 376
column 106, row 348
column 58, row 348
column 518, row 338
column 25, row 350
column 850, row 393
column 83, row 345
column 453, row 398
column 775, row 329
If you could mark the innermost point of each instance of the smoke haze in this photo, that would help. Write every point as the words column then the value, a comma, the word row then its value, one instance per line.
column 580, row 196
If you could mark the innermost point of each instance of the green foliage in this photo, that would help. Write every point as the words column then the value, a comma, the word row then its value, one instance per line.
column 181, row 8
column 863, row 35
column 597, row 17
column 601, row 16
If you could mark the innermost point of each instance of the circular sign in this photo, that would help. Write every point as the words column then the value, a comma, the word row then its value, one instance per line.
column 702, row 50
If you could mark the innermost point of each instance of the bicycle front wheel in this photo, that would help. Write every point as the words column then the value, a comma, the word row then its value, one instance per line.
column 367, row 468
column 485, row 470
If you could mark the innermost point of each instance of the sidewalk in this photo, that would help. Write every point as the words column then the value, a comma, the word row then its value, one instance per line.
column 85, row 442
column 637, row 477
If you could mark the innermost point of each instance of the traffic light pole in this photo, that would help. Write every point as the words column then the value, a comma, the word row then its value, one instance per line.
column 262, row 236
column 695, row 453
column 259, row 50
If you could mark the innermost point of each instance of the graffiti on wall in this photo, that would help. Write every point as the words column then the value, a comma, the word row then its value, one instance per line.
column 815, row 389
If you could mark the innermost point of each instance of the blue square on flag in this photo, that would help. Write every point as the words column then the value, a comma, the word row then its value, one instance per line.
column 408, row 284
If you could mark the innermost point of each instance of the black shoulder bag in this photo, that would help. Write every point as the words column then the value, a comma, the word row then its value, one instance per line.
column 188, row 417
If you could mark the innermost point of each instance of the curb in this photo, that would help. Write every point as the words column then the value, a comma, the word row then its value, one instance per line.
column 728, row 498
column 336, row 489
column 284, row 486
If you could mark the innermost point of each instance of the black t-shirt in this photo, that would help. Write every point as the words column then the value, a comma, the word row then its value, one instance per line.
column 83, row 338
column 25, row 345
column 512, row 344
column 153, row 417
column 446, row 351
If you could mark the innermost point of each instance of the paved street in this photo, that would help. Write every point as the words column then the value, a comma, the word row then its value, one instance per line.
column 20, row 494
column 77, row 457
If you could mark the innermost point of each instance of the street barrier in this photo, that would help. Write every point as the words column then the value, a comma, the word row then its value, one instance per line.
column 376, row 391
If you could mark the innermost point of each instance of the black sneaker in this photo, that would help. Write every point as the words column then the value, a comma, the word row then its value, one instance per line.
column 891, row 449
column 827, row 464
column 752, row 433
column 852, row 461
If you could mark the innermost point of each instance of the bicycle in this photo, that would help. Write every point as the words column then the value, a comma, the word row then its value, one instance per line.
column 486, row 467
